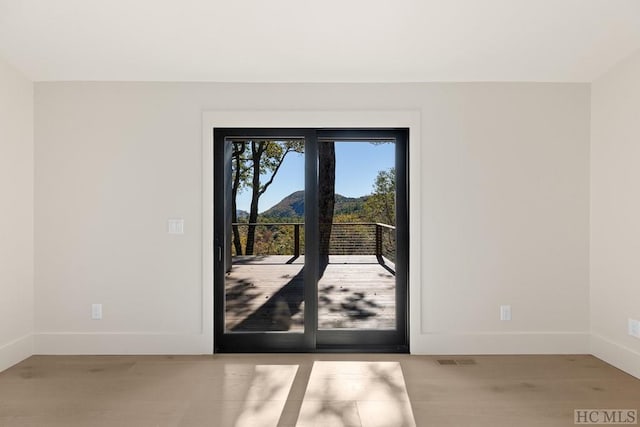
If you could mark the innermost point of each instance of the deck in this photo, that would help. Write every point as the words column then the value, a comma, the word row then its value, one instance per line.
column 265, row 293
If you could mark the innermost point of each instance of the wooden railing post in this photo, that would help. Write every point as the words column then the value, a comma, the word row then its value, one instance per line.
column 378, row 240
column 296, row 240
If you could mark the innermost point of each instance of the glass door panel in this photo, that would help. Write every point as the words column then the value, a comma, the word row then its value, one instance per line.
column 260, row 289
column 356, row 199
column 264, row 286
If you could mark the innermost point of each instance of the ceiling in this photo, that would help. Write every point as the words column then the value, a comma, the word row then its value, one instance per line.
column 318, row 41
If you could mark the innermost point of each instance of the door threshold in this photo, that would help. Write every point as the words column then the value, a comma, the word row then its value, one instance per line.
column 390, row 349
column 402, row 349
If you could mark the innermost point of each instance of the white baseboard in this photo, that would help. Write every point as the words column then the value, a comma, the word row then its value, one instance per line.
column 615, row 354
column 15, row 351
column 121, row 343
column 501, row 343
column 488, row 343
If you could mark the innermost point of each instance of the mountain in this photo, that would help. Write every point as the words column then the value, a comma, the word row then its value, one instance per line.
column 290, row 206
column 293, row 206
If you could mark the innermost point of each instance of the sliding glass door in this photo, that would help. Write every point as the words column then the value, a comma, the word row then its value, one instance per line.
column 310, row 239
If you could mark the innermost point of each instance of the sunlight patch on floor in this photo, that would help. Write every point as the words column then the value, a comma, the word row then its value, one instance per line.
column 345, row 394
column 266, row 395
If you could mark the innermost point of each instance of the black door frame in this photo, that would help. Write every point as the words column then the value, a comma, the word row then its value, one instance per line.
column 312, row 339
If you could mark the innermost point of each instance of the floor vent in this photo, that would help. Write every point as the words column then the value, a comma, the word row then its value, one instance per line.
column 460, row 362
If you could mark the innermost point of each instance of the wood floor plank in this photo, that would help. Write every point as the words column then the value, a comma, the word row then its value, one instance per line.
column 286, row 390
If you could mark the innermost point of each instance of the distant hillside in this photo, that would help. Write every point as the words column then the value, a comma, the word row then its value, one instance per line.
column 293, row 206
column 290, row 206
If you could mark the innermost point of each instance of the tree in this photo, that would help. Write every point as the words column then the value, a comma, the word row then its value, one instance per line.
column 381, row 205
column 258, row 160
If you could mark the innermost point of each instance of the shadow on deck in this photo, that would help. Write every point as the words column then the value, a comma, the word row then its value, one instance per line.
column 266, row 293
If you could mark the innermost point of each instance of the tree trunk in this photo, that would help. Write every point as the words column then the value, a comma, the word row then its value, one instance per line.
column 237, row 244
column 237, row 154
column 256, row 155
column 326, row 197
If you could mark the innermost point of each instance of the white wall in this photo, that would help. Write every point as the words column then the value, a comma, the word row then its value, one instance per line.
column 615, row 214
column 16, row 216
column 504, row 206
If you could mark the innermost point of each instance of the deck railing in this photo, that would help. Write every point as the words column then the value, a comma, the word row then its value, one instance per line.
column 347, row 238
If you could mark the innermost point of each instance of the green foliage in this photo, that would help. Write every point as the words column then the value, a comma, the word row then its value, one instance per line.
column 277, row 238
column 380, row 206
column 348, row 217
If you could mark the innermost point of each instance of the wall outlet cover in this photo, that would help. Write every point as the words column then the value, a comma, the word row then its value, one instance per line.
column 96, row 311
column 175, row 226
column 505, row 312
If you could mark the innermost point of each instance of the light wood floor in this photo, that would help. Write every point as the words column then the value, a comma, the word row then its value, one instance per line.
column 265, row 293
column 309, row 390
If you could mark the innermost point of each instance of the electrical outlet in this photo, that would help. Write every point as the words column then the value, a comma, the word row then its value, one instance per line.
column 505, row 312
column 634, row 327
column 175, row 226
column 96, row 311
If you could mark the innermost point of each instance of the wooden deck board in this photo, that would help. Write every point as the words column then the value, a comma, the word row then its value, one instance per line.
column 266, row 294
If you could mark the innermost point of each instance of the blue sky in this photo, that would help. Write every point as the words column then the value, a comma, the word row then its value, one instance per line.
column 357, row 164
